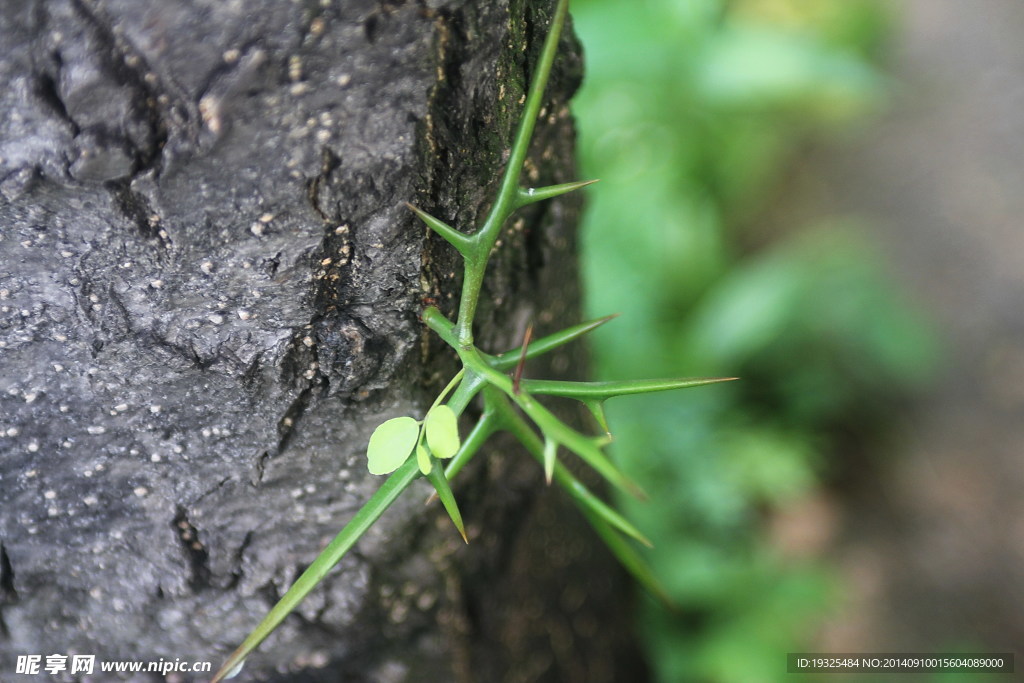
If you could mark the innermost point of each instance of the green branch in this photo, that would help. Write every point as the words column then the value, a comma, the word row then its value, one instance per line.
column 407, row 447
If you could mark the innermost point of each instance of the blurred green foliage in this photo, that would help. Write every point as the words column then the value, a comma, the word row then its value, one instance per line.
column 690, row 112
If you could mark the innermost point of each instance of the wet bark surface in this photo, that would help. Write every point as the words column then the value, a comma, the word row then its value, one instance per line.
column 209, row 297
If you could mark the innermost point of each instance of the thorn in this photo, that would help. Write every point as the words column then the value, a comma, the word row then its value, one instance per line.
column 530, row 195
column 462, row 242
column 550, row 453
column 638, row 492
column 518, row 375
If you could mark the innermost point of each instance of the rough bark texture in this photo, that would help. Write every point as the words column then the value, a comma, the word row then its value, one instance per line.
column 209, row 297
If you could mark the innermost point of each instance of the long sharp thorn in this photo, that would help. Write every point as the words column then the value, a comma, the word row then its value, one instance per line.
column 444, row 492
column 506, row 361
column 537, row 194
column 602, row 391
column 464, row 243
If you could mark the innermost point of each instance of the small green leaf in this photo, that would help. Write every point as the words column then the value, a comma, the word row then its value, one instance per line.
column 423, row 458
column 391, row 443
column 442, row 427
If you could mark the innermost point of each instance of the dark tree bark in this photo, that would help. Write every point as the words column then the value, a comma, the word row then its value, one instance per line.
column 209, row 297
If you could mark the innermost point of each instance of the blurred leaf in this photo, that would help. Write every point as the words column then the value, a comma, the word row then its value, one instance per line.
column 692, row 112
column 757, row 66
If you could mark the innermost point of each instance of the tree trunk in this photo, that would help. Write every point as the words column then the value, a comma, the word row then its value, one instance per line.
column 209, row 297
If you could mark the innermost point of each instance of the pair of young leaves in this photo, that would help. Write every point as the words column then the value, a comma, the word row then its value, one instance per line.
column 394, row 441
column 437, row 436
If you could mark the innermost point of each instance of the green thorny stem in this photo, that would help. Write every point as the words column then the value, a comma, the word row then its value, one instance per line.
column 485, row 374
